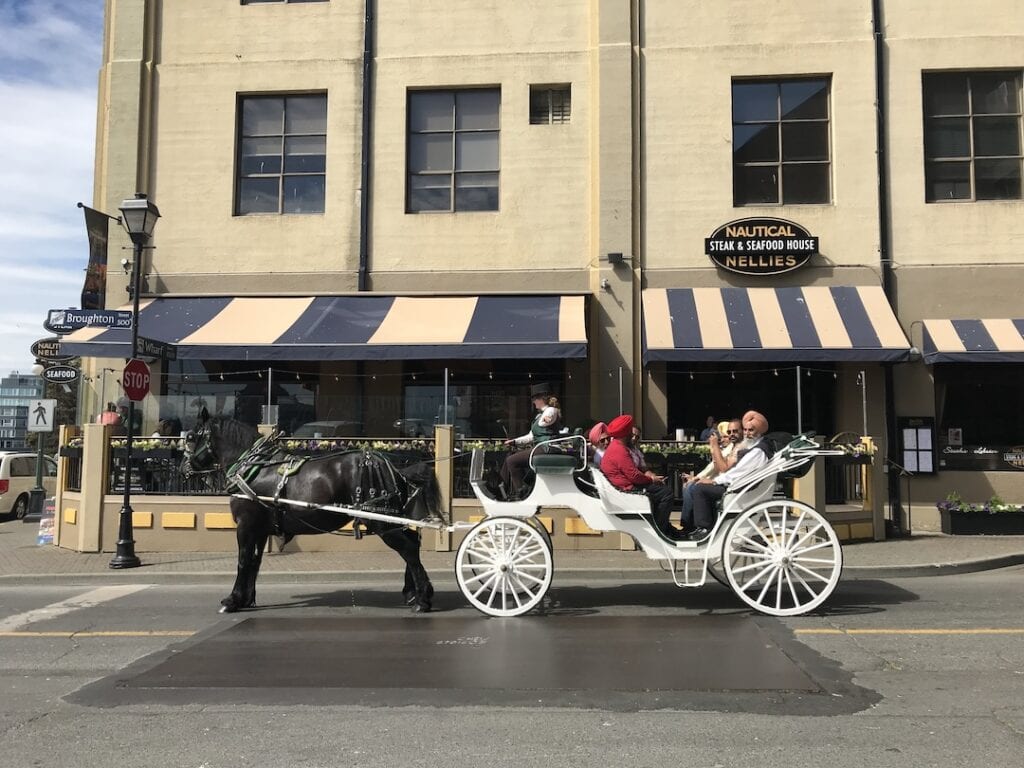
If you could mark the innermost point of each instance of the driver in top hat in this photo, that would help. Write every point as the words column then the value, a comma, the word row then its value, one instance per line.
column 546, row 426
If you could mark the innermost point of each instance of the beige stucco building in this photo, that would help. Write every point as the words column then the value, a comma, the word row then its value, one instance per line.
column 578, row 131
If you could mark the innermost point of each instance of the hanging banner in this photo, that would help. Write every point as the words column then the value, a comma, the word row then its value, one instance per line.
column 95, row 289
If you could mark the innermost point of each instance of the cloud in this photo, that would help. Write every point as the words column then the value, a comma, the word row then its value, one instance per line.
column 50, row 55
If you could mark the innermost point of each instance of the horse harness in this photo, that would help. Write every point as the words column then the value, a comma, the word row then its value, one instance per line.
column 381, row 481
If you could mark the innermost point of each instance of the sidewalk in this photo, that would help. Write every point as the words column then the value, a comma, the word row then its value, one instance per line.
column 925, row 554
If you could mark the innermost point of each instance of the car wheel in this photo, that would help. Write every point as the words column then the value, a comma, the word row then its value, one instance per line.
column 20, row 508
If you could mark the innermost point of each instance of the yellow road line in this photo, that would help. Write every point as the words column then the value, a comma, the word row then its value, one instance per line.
column 113, row 633
column 975, row 631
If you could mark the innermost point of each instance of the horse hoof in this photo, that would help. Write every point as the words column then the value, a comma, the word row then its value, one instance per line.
column 422, row 608
column 226, row 609
column 409, row 598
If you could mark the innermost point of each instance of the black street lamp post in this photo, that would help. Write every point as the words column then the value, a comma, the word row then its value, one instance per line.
column 138, row 215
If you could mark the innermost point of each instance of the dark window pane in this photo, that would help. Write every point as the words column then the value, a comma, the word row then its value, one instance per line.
column 755, row 143
column 258, row 196
column 754, row 102
column 261, row 156
column 947, row 181
column 476, row 192
column 477, row 110
column 947, row 137
column 996, row 136
column 754, row 184
column 303, row 194
column 995, row 93
column 431, row 111
column 430, row 193
column 805, row 141
column 805, row 183
column 805, row 99
column 261, row 117
column 540, row 106
column 306, row 114
column 430, row 152
column 945, row 93
column 476, row 151
column 997, row 179
column 306, row 154
column 561, row 105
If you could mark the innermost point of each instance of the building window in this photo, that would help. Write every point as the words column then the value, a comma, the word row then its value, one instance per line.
column 257, row 2
column 972, row 135
column 780, row 142
column 453, row 150
column 550, row 104
column 282, row 154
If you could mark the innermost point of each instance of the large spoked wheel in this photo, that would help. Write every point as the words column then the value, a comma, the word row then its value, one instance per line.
column 504, row 566
column 782, row 558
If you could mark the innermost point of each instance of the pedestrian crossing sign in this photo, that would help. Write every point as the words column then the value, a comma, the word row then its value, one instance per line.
column 40, row 415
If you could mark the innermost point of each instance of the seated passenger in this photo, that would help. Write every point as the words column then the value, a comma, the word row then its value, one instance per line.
column 724, row 444
column 619, row 466
column 545, row 427
column 599, row 439
column 707, row 492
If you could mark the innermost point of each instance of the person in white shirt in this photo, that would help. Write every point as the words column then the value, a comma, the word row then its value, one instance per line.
column 724, row 444
column 707, row 491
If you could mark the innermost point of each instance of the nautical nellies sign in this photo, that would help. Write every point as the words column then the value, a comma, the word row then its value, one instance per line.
column 760, row 246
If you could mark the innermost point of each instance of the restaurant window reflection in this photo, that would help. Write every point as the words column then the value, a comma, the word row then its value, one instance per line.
column 980, row 403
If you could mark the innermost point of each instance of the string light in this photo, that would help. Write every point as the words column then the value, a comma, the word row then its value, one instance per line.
column 775, row 371
column 222, row 377
column 490, row 375
column 834, row 377
column 808, row 373
column 297, row 377
column 691, row 375
column 732, row 375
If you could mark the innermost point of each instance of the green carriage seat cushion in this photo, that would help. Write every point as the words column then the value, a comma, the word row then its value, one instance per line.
column 554, row 464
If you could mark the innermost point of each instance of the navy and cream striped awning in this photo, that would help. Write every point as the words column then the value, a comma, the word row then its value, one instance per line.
column 364, row 327
column 815, row 323
column 973, row 341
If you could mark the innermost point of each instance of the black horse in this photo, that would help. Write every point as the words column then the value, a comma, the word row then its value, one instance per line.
column 367, row 480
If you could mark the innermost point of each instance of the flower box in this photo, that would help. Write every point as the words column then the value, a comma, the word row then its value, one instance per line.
column 977, row 523
column 993, row 518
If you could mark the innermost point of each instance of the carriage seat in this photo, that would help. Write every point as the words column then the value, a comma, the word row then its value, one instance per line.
column 618, row 502
column 755, row 494
column 555, row 464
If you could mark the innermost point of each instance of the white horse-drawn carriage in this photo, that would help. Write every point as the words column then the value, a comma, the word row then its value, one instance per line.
column 780, row 556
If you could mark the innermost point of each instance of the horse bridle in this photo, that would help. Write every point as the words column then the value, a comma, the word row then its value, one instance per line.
column 198, row 452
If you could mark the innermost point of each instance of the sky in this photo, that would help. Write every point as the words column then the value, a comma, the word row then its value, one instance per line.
column 49, row 64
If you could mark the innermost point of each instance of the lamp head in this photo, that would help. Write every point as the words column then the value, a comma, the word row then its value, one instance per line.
column 139, row 215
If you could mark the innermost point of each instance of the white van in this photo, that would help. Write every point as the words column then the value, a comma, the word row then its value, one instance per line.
column 18, row 477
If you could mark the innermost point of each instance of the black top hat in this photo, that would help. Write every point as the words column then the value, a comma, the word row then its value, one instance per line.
column 541, row 389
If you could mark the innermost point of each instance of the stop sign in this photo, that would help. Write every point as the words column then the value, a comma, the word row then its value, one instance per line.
column 135, row 379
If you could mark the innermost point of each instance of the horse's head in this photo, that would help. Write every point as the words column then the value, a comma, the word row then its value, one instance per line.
column 200, row 453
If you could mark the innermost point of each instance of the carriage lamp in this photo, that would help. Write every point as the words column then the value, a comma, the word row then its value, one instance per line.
column 138, row 215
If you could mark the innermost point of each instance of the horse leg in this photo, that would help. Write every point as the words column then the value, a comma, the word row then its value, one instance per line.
column 407, row 544
column 251, row 537
column 409, row 589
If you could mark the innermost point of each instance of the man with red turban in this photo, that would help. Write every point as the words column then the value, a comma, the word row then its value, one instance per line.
column 622, row 471
column 708, row 491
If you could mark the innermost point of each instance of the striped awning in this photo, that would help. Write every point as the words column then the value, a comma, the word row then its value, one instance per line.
column 817, row 323
column 973, row 341
column 365, row 327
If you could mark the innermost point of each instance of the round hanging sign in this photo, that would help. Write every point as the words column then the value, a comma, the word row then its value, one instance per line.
column 760, row 246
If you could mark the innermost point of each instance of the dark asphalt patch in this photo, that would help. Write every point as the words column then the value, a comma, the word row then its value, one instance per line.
column 725, row 663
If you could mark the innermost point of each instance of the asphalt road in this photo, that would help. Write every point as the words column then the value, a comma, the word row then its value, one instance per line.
column 914, row 672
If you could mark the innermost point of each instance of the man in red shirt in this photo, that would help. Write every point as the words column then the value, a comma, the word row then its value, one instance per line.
column 622, row 471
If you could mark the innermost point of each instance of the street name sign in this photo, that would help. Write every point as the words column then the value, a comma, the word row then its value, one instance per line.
column 160, row 349
column 66, row 320
column 135, row 379
column 40, row 415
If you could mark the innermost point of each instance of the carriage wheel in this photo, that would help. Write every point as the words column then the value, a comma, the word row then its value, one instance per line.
column 504, row 566
column 782, row 558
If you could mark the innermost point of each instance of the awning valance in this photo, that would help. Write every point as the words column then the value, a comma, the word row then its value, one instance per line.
column 366, row 327
column 814, row 323
column 974, row 341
